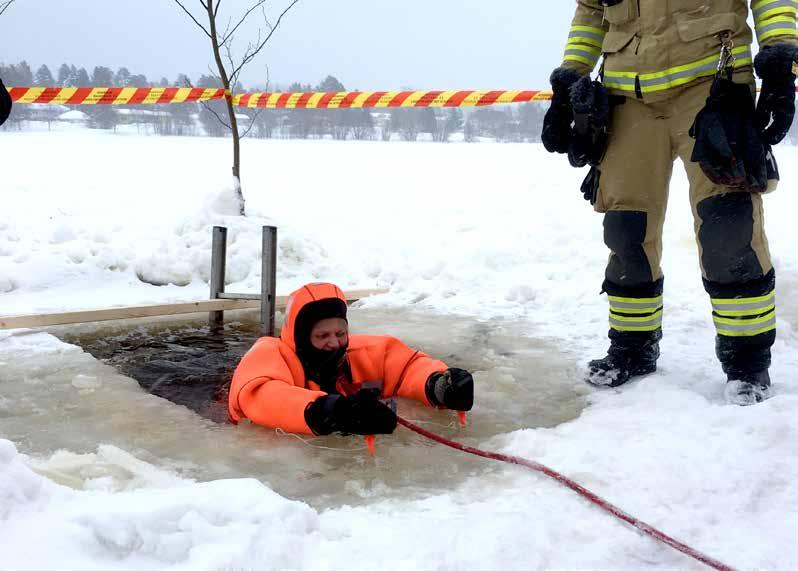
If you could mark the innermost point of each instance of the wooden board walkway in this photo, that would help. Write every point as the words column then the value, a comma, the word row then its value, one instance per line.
column 138, row 311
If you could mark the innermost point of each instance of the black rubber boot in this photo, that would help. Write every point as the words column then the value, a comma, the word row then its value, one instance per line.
column 630, row 355
column 745, row 390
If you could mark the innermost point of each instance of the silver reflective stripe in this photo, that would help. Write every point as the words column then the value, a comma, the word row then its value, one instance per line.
column 627, row 324
column 691, row 72
column 746, row 328
column 772, row 6
column 706, row 69
column 577, row 34
column 763, row 30
column 764, row 304
column 627, row 305
column 619, row 81
column 591, row 56
column 728, row 305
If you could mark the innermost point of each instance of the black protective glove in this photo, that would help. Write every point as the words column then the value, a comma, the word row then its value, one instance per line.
column 361, row 413
column 5, row 103
column 590, row 103
column 727, row 143
column 777, row 66
column 557, row 125
column 453, row 389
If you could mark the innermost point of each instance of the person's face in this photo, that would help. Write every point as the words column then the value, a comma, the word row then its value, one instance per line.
column 330, row 334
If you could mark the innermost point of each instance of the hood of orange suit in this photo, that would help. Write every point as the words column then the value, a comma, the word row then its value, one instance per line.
column 305, row 298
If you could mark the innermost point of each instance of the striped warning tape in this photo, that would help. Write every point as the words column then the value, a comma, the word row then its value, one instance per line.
column 385, row 99
column 113, row 95
column 304, row 100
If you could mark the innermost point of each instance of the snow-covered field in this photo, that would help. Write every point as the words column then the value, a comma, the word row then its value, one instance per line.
column 491, row 231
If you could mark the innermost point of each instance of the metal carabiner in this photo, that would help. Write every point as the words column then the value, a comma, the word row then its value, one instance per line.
column 727, row 59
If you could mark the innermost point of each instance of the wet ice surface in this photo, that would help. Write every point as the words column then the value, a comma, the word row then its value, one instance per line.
column 112, row 434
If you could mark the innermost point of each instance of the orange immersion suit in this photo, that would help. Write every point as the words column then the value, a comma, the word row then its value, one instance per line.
column 270, row 388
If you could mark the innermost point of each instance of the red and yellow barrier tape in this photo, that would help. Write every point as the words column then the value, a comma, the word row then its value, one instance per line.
column 113, row 95
column 307, row 100
column 385, row 99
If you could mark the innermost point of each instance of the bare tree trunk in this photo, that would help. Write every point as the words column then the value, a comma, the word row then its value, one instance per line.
column 217, row 54
column 229, row 77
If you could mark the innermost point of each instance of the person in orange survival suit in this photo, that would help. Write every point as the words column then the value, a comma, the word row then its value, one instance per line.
column 317, row 379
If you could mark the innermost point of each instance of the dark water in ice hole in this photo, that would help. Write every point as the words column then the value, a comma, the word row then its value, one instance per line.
column 521, row 382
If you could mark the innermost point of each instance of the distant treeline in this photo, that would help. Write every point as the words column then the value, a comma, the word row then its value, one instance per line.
column 512, row 123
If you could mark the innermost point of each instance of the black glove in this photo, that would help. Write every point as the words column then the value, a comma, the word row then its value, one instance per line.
column 557, row 128
column 361, row 413
column 777, row 67
column 727, row 143
column 5, row 103
column 453, row 389
column 590, row 186
column 590, row 103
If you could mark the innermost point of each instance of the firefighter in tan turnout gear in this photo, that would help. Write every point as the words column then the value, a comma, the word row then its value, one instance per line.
column 677, row 80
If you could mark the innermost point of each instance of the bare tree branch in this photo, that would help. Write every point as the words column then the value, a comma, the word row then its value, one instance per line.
column 215, row 114
column 4, row 6
column 266, row 17
column 215, row 75
column 252, row 122
column 233, row 79
column 205, row 104
column 248, row 58
column 227, row 35
column 216, row 11
column 179, row 3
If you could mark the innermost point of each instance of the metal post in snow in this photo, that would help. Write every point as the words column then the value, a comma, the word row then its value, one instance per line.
column 268, row 286
column 218, row 264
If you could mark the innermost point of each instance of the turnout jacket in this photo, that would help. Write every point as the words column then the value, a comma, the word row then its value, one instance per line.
column 269, row 386
column 654, row 47
column 5, row 103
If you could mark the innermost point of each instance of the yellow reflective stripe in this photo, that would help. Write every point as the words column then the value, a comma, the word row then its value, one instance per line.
column 780, row 26
column 675, row 76
column 624, row 80
column 641, row 310
column 583, row 47
column 589, row 29
column 581, row 59
column 691, row 71
column 763, row 18
column 587, row 35
column 744, row 300
column 758, row 4
column 636, row 299
column 768, row 8
column 584, row 40
column 645, row 318
column 643, row 328
column 763, row 319
column 753, row 333
column 744, row 312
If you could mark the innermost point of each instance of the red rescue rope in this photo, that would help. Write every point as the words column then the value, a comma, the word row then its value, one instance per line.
column 582, row 491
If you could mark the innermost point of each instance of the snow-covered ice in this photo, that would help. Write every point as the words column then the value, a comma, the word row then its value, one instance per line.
column 495, row 232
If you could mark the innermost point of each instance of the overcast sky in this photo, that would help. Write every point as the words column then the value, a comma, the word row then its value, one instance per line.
column 366, row 44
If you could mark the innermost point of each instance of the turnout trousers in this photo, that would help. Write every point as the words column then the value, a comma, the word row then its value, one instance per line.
column 645, row 140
